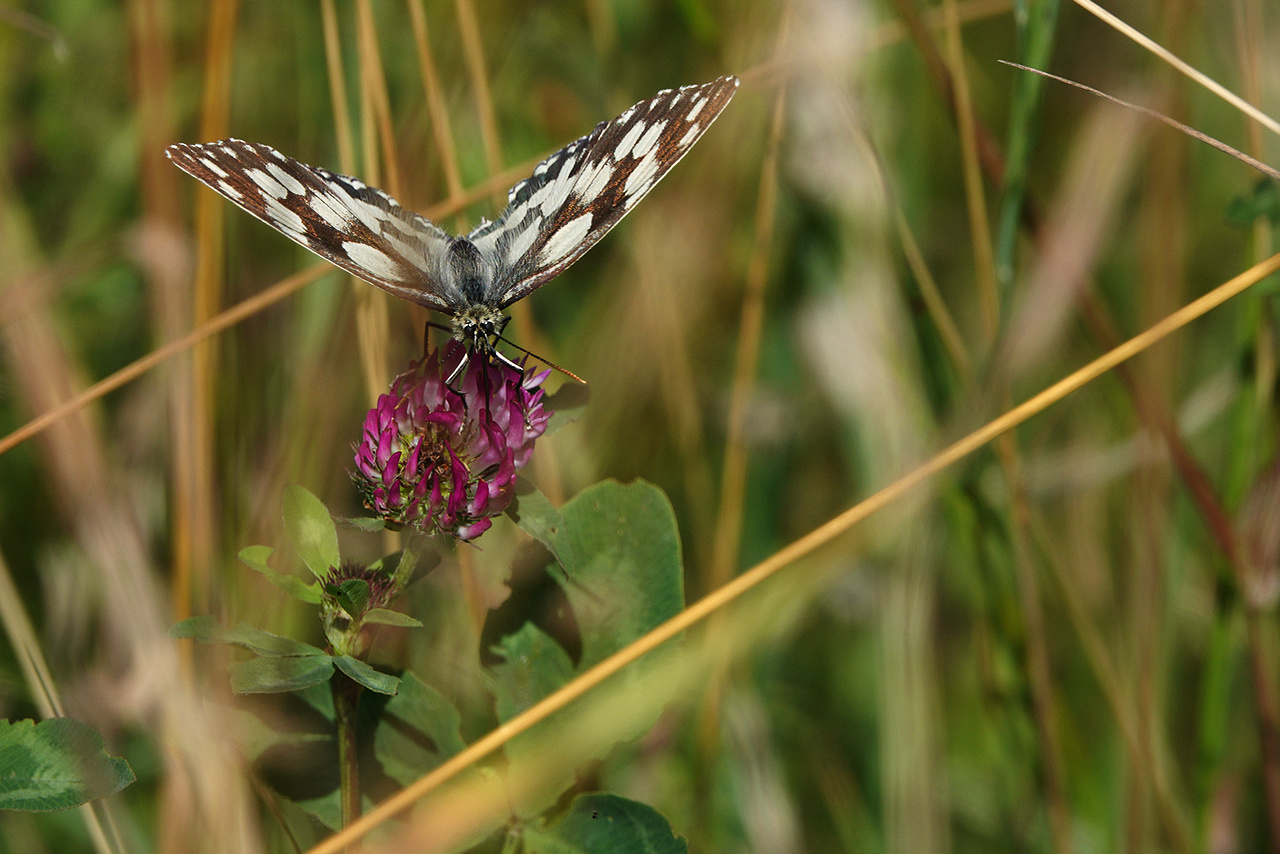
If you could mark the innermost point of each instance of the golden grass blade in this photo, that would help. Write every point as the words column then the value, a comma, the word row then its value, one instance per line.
column 227, row 318
column 376, row 110
column 372, row 317
column 337, row 87
column 1155, row 114
column 473, row 49
column 975, row 196
column 194, row 401
column 441, row 127
column 728, row 531
column 1196, row 75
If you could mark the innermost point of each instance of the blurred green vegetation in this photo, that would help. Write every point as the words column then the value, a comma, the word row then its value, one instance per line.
column 1066, row 643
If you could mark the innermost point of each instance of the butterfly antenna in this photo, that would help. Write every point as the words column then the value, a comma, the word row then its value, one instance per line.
column 498, row 354
column 550, row 364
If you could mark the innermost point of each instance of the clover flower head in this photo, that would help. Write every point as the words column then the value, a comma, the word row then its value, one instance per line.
column 442, row 457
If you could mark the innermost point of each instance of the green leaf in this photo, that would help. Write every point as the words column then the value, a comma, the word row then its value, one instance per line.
column 206, row 630
column 368, row 524
column 401, row 566
column 311, row 530
column 566, row 405
column 387, row 565
column 418, row 729
column 56, row 764
column 318, row 697
column 326, row 809
column 533, row 666
column 387, row 617
column 352, row 595
column 255, row 557
column 602, row 822
column 538, row 517
column 279, row 675
column 1262, row 203
column 256, row 737
column 620, row 550
column 383, row 683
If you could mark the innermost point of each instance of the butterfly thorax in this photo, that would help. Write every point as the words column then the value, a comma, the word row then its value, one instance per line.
column 467, row 268
column 476, row 323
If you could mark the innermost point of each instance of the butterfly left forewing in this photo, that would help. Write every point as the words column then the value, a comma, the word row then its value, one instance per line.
column 354, row 226
column 580, row 192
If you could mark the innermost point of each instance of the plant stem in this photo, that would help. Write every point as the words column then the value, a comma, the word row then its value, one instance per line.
column 346, row 697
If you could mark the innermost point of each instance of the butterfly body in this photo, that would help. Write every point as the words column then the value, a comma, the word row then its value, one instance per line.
column 572, row 199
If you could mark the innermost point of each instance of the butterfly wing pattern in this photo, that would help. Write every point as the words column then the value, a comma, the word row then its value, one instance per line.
column 573, row 199
column 356, row 227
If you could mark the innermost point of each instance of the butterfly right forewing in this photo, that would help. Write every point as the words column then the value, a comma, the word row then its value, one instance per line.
column 354, row 226
column 580, row 192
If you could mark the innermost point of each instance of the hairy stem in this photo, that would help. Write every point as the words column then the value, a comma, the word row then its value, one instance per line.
column 346, row 697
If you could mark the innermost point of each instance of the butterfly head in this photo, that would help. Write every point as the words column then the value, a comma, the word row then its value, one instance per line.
column 477, row 325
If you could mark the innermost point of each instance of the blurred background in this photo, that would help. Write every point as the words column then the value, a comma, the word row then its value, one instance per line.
column 1066, row 643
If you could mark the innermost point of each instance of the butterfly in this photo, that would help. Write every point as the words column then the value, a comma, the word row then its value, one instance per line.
column 572, row 199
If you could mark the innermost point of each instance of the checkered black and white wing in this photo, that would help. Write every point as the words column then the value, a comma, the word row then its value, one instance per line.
column 359, row 228
column 577, row 194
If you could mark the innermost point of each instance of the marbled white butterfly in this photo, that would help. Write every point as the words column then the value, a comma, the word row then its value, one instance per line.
column 572, row 200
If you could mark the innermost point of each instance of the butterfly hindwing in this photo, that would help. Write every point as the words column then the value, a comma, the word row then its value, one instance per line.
column 580, row 192
column 354, row 226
